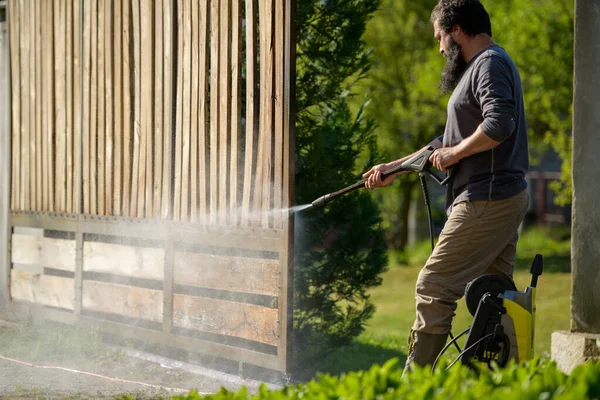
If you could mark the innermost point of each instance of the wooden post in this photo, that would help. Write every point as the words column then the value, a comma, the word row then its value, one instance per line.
column 5, row 159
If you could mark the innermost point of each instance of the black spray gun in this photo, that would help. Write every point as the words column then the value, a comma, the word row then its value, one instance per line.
column 418, row 163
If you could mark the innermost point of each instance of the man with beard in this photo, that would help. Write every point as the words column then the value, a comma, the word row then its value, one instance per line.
column 485, row 144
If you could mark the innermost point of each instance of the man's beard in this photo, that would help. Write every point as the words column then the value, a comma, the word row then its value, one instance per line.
column 454, row 69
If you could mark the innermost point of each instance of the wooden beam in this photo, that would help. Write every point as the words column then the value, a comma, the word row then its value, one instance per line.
column 214, row 109
column 42, row 289
column 15, row 50
column 224, row 108
column 203, row 107
column 47, row 252
column 127, row 111
column 109, row 104
column 236, row 114
column 159, row 105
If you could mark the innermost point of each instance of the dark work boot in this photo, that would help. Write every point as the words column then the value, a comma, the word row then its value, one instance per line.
column 423, row 348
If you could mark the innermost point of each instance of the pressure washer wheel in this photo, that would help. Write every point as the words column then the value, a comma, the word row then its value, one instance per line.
column 489, row 283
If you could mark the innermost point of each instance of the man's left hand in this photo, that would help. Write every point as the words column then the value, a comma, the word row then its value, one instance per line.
column 444, row 157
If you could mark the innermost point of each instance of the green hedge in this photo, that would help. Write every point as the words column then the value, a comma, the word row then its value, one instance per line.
column 533, row 380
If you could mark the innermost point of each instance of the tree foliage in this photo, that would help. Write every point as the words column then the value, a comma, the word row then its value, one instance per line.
column 339, row 251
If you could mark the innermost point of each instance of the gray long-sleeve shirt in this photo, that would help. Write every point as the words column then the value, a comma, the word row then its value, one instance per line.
column 489, row 94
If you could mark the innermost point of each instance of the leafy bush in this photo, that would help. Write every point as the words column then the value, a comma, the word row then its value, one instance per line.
column 532, row 380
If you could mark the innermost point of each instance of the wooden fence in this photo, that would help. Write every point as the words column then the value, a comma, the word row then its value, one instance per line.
column 152, row 170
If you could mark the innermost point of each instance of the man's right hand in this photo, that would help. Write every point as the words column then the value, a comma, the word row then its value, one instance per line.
column 374, row 177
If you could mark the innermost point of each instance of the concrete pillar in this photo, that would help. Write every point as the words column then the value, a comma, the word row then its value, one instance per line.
column 4, row 148
column 581, row 344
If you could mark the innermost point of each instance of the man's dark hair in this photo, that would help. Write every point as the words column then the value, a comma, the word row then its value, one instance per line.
column 470, row 15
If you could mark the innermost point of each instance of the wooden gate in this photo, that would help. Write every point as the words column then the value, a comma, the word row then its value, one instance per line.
column 152, row 170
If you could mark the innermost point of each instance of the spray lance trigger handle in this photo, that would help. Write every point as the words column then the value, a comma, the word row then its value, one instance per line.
column 420, row 163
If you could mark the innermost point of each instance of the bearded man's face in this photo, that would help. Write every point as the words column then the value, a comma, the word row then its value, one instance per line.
column 455, row 67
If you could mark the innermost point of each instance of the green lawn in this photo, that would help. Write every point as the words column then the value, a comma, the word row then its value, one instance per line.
column 386, row 333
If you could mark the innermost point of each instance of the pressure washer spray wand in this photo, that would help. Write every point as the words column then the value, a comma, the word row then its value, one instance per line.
column 418, row 163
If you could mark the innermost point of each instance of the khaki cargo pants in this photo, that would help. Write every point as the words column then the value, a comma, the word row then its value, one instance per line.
column 479, row 238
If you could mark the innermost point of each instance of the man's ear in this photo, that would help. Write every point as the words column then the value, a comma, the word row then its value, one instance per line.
column 457, row 33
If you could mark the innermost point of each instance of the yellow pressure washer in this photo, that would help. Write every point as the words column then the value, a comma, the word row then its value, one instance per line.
column 503, row 318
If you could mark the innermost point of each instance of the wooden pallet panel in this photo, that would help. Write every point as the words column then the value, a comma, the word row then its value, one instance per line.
column 122, row 300
column 237, row 274
column 53, row 291
column 43, row 251
column 131, row 261
column 228, row 318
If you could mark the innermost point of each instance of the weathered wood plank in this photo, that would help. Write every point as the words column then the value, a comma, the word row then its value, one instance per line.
column 224, row 109
column 38, row 108
column 102, row 87
column 214, row 109
column 127, row 112
column 122, row 300
column 46, row 290
column 187, row 111
column 50, row 121
column 178, row 117
column 25, row 25
column 203, row 106
column 266, row 110
column 236, row 114
column 77, row 70
column 145, row 176
column 279, row 98
column 118, row 111
column 109, row 104
column 87, row 110
column 132, row 261
column 46, row 61
column 69, row 104
column 195, row 43
column 158, row 107
column 60, row 109
column 32, row 107
column 237, row 274
column 15, row 50
column 245, row 321
column 47, row 252
column 93, row 209
column 135, row 175
column 168, row 112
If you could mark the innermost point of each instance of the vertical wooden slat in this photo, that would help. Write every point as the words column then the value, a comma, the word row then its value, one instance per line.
column 32, row 106
column 266, row 110
column 146, row 185
column 94, row 112
column 69, row 105
column 202, row 111
column 101, row 107
column 87, row 110
column 224, row 108
column 50, row 122
column 38, row 108
column 25, row 111
column 158, row 105
column 195, row 19
column 118, row 102
column 251, row 107
column 45, row 95
column 214, row 108
column 278, row 131
column 60, row 180
column 127, row 113
column 236, row 82
column 168, row 112
column 15, row 50
column 187, row 72
column 77, row 182
column 108, row 95
column 135, row 10
column 178, row 115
